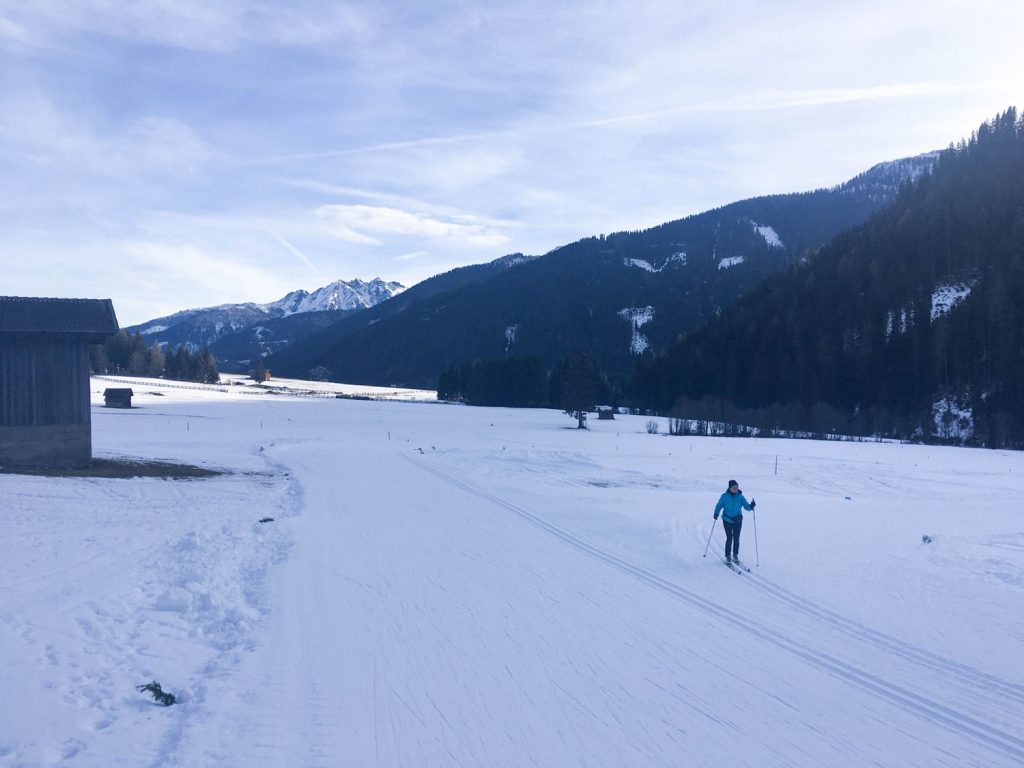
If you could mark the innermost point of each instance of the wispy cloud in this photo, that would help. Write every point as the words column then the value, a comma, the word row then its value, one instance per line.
column 190, row 24
column 411, row 256
column 402, row 201
column 207, row 272
column 405, row 139
column 11, row 32
column 352, row 222
column 37, row 130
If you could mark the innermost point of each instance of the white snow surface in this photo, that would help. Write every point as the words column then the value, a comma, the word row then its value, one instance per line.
column 639, row 264
column 637, row 317
column 732, row 261
column 238, row 384
column 676, row 258
column 898, row 321
column 947, row 296
column 771, row 237
column 445, row 585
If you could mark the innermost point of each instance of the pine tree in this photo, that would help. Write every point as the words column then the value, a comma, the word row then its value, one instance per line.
column 577, row 384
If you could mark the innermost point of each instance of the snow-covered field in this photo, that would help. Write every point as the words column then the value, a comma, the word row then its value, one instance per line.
column 448, row 586
column 236, row 383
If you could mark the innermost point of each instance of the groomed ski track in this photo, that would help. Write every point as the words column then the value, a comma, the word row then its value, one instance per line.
column 432, row 622
column 444, row 586
column 981, row 732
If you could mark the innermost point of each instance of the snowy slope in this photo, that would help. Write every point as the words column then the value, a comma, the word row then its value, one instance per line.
column 446, row 585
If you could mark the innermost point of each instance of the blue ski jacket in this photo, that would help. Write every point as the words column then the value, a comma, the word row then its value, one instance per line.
column 731, row 505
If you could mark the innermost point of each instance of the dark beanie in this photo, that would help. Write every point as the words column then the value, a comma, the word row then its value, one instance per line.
column 732, row 483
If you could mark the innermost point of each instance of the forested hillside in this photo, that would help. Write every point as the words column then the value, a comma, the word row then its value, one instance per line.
column 912, row 324
column 616, row 297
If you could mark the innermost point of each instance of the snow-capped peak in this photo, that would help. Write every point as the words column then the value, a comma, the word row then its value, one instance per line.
column 341, row 294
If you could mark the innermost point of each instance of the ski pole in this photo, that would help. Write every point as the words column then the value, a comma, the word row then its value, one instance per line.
column 757, row 555
column 709, row 538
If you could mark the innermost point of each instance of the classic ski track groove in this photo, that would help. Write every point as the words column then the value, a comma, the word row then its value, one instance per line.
column 909, row 701
column 964, row 673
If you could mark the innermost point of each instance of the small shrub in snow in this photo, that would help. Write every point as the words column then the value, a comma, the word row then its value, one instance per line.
column 926, row 539
column 159, row 694
column 652, row 427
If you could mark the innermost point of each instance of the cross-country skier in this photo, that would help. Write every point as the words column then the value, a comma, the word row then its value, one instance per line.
column 731, row 505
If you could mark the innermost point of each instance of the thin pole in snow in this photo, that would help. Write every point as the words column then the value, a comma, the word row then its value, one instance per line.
column 757, row 554
column 709, row 538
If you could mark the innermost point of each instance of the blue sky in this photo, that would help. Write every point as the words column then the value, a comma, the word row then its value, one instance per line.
column 184, row 153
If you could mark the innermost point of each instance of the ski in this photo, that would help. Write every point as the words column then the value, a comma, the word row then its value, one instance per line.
column 729, row 565
column 740, row 565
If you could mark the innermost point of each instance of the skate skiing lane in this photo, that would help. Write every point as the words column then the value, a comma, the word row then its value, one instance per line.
column 421, row 621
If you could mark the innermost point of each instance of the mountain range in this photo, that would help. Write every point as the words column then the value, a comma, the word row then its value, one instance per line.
column 887, row 305
column 616, row 297
column 237, row 332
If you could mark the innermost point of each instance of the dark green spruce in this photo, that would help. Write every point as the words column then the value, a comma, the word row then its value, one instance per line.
column 915, row 314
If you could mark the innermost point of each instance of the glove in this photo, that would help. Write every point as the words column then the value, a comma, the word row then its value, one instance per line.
column 716, row 515
column 753, row 503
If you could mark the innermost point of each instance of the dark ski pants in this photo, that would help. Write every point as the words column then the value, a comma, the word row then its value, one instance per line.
column 732, row 536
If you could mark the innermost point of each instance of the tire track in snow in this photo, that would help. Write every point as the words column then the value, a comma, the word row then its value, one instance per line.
column 907, row 700
column 964, row 673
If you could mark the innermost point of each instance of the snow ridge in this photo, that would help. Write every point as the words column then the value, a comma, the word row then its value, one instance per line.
column 341, row 294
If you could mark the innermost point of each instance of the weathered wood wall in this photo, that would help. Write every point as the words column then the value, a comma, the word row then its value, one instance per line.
column 44, row 382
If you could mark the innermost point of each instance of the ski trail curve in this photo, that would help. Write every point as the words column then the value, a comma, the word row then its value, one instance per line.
column 933, row 711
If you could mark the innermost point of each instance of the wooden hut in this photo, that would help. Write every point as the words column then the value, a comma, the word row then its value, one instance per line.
column 118, row 397
column 44, row 378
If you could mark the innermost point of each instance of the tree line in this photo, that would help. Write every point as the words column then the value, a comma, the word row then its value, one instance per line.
column 575, row 384
column 129, row 354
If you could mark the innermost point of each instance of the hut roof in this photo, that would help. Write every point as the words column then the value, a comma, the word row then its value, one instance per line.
column 89, row 319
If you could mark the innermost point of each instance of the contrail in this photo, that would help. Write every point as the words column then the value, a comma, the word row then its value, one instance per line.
column 771, row 100
column 293, row 249
column 761, row 101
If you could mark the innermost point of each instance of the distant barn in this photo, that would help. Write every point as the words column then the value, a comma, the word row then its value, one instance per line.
column 44, row 378
column 118, row 397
